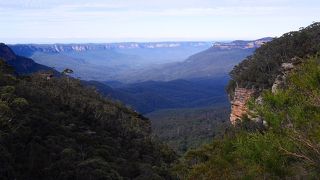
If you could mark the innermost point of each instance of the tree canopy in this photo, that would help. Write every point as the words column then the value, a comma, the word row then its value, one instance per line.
column 57, row 129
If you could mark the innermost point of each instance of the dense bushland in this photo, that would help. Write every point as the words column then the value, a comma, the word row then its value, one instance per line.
column 54, row 128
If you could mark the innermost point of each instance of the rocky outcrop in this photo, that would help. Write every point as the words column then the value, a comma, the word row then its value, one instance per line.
column 242, row 95
column 239, row 103
column 286, row 68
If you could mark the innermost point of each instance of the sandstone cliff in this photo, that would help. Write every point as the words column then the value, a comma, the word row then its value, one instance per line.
column 239, row 103
column 243, row 95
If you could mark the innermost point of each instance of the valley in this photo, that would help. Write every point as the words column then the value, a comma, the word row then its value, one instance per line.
column 172, row 83
column 180, row 120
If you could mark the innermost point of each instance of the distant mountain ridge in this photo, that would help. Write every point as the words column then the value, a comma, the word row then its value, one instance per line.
column 27, row 49
column 241, row 44
column 78, row 47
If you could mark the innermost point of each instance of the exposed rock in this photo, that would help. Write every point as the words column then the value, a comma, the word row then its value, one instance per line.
column 279, row 82
column 239, row 103
column 259, row 100
column 242, row 95
column 287, row 66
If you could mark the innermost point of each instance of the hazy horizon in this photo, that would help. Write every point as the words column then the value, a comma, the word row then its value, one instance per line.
column 110, row 41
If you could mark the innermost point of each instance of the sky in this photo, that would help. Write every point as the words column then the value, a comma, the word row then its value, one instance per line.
column 67, row 21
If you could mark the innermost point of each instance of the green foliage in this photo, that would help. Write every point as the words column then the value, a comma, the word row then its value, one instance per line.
column 260, row 154
column 57, row 129
column 19, row 103
column 183, row 129
column 4, row 109
column 295, row 114
column 288, row 146
column 247, row 155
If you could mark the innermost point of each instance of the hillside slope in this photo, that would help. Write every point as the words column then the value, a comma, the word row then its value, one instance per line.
column 57, row 129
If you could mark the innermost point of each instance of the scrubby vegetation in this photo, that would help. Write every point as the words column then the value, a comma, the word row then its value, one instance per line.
column 288, row 147
column 54, row 128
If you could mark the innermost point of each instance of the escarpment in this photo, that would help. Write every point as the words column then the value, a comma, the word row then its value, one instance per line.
column 270, row 65
column 241, row 97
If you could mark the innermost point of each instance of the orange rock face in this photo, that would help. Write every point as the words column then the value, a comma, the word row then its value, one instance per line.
column 238, row 104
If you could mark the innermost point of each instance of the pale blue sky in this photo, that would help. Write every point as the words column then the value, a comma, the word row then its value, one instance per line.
column 50, row 21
